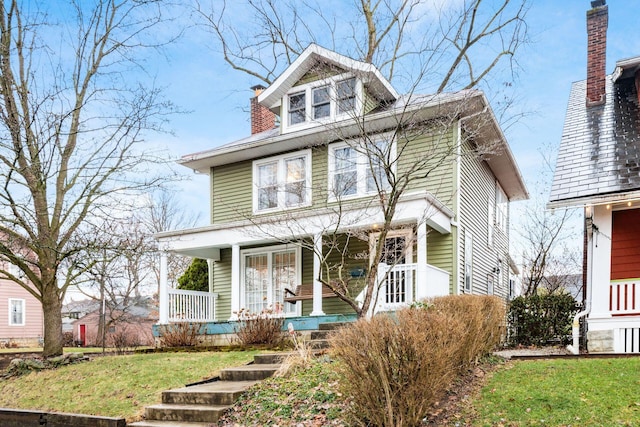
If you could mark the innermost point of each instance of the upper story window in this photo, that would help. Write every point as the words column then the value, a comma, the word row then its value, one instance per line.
column 16, row 312
column 320, row 101
column 359, row 170
column 282, row 182
column 502, row 209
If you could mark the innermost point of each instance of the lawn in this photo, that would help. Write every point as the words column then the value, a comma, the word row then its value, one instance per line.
column 574, row 392
column 116, row 386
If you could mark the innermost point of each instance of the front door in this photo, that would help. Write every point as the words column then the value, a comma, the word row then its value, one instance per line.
column 395, row 270
column 267, row 273
column 83, row 335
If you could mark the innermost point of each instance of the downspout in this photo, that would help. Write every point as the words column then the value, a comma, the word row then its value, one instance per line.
column 574, row 348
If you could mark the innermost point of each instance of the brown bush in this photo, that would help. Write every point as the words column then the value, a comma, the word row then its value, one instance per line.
column 182, row 334
column 261, row 328
column 483, row 318
column 394, row 367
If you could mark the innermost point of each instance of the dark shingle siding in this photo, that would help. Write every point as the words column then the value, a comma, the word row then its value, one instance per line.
column 600, row 149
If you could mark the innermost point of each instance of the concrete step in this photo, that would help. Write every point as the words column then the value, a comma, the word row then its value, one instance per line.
column 249, row 372
column 331, row 326
column 189, row 413
column 214, row 393
column 318, row 344
column 270, row 359
column 152, row 423
column 320, row 335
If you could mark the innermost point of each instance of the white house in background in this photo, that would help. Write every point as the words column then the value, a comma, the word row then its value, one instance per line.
column 598, row 169
column 451, row 228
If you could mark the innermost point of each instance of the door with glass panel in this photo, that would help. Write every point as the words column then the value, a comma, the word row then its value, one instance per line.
column 266, row 276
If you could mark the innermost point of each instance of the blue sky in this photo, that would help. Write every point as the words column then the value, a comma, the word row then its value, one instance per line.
column 198, row 80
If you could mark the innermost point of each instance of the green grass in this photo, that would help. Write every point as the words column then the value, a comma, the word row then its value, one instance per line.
column 116, row 386
column 302, row 395
column 582, row 392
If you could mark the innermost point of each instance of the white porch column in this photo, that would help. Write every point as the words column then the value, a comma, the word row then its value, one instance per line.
column 317, row 284
column 235, row 281
column 601, row 262
column 421, row 280
column 212, row 309
column 163, row 291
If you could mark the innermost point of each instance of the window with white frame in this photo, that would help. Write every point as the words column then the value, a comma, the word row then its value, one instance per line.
column 16, row 312
column 468, row 262
column 359, row 169
column 267, row 273
column 321, row 100
column 282, row 182
column 502, row 208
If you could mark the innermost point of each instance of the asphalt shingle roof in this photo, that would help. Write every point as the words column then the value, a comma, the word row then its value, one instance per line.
column 600, row 149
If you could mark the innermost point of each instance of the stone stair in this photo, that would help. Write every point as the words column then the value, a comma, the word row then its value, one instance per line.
column 203, row 404
column 319, row 338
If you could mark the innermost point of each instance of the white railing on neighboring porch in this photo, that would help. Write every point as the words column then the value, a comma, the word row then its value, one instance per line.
column 191, row 306
column 401, row 285
column 624, row 297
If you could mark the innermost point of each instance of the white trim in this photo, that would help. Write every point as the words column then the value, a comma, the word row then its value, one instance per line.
column 362, row 165
column 280, row 162
column 23, row 303
column 333, row 116
column 269, row 251
column 317, row 284
column 235, row 281
column 401, row 232
column 271, row 96
column 457, row 289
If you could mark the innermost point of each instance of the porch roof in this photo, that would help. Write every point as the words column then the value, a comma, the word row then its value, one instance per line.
column 206, row 242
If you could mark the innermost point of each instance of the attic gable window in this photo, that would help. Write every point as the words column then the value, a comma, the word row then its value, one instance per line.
column 346, row 95
column 297, row 104
column 320, row 101
column 282, row 182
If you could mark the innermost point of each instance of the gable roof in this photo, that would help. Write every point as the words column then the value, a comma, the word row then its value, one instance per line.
column 599, row 156
column 378, row 85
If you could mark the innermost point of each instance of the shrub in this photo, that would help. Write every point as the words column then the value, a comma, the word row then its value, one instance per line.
column 396, row 366
column 67, row 339
column 541, row 319
column 261, row 328
column 182, row 334
column 393, row 368
column 483, row 319
column 122, row 339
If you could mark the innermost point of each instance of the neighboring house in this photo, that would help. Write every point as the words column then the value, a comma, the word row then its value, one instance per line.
column 131, row 324
column 21, row 317
column 283, row 185
column 598, row 169
column 74, row 310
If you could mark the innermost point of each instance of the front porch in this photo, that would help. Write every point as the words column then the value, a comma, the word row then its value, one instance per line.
column 252, row 266
column 399, row 287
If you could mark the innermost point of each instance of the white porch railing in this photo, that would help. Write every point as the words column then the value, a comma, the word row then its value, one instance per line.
column 191, row 306
column 403, row 285
column 624, row 297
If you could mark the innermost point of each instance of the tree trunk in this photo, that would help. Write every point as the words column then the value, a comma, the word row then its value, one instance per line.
column 52, row 310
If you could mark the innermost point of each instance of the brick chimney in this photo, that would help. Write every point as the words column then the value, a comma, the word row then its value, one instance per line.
column 261, row 117
column 597, row 22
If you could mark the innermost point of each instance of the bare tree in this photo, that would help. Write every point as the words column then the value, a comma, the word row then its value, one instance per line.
column 548, row 261
column 72, row 130
column 452, row 45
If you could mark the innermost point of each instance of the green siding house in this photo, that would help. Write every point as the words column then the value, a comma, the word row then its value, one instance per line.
column 299, row 204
